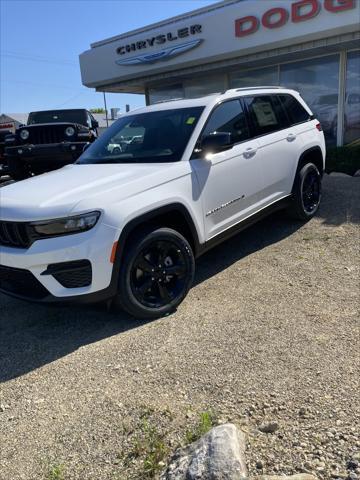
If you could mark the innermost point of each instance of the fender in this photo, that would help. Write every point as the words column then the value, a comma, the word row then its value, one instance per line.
column 316, row 149
column 300, row 163
column 150, row 215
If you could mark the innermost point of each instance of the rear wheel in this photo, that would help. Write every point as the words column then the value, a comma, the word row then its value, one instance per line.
column 156, row 274
column 306, row 193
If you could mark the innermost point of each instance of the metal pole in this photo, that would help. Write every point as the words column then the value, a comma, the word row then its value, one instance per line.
column 106, row 113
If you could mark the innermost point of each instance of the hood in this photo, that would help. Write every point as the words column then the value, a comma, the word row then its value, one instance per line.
column 56, row 194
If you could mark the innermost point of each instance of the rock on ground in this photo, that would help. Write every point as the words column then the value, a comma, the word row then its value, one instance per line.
column 218, row 455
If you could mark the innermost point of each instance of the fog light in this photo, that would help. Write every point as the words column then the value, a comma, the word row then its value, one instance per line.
column 20, row 151
column 73, row 147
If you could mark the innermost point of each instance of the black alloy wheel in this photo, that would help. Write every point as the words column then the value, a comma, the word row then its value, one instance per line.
column 157, row 274
column 311, row 191
column 306, row 195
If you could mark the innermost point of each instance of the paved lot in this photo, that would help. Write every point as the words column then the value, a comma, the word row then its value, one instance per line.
column 269, row 332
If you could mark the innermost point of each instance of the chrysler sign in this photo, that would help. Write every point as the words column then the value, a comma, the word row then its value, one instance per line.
column 299, row 11
column 164, row 54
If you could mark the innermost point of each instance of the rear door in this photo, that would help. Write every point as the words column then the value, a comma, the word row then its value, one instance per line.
column 279, row 145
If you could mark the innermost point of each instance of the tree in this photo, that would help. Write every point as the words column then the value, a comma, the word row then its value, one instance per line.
column 97, row 110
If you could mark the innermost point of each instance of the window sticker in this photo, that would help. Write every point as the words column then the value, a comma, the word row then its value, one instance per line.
column 264, row 114
column 190, row 120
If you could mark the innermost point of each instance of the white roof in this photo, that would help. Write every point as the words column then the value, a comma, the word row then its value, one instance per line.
column 100, row 117
column 17, row 117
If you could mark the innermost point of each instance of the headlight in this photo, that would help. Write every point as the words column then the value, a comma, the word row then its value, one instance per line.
column 65, row 226
column 69, row 131
column 24, row 134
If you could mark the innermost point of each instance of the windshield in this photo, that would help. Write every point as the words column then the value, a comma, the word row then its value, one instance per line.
column 58, row 116
column 145, row 137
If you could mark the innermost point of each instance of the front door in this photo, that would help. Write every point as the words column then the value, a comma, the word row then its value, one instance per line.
column 229, row 181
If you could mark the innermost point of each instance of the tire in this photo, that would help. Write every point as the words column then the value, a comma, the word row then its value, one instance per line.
column 17, row 170
column 306, row 193
column 156, row 274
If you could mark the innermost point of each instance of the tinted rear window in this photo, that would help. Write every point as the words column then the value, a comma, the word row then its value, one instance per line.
column 296, row 112
column 266, row 113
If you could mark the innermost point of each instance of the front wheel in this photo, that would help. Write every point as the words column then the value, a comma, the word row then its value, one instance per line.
column 156, row 274
column 306, row 193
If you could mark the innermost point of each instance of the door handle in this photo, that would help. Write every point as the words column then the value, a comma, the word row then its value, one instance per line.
column 250, row 152
column 291, row 137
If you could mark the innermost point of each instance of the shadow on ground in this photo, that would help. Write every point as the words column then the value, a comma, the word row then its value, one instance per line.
column 34, row 335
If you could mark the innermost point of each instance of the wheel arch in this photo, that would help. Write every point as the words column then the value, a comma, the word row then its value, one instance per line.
column 313, row 155
column 174, row 215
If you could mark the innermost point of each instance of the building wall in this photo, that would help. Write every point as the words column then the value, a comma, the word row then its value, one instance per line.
column 331, row 90
column 308, row 45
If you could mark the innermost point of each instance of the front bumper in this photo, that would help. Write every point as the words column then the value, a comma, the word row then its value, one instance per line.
column 65, row 152
column 30, row 273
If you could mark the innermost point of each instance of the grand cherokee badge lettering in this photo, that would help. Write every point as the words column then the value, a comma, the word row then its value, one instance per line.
column 164, row 54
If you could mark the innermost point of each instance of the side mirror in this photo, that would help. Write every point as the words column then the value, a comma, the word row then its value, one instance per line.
column 95, row 124
column 216, row 142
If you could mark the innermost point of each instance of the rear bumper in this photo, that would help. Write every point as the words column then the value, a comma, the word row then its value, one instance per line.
column 70, row 269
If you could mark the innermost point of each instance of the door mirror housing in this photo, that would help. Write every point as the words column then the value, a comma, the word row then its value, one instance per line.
column 216, row 142
column 95, row 124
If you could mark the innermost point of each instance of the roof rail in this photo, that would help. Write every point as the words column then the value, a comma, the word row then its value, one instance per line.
column 168, row 100
column 234, row 90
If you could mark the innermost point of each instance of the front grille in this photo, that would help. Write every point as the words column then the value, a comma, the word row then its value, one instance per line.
column 21, row 282
column 44, row 135
column 74, row 274
column 15, row 234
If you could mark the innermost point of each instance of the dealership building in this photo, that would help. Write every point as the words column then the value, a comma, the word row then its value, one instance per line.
column 312, row 46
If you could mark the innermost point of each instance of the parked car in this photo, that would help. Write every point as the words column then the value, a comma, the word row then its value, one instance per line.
column 326, row 109
column 114, row 148
column 3, row 162
column 129, row 225
column 50, row 140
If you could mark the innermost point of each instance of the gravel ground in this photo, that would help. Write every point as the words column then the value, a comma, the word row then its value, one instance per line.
column 269, row 333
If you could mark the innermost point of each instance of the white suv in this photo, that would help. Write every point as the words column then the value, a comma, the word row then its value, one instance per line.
column 128, row 224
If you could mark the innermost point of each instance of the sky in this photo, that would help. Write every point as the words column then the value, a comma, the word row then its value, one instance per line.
column 40, row 41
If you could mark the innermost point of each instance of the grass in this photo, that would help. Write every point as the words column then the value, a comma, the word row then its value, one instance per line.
column 205, row 423
column 149, row 446
column 56, row 472
column 148, row 450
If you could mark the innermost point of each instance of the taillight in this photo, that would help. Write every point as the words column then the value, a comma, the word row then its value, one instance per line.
column 319, row 127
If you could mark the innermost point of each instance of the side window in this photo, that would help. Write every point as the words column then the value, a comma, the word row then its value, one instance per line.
column 296, row 112
column 228, row 117
column 266, row 113
column 89, row 119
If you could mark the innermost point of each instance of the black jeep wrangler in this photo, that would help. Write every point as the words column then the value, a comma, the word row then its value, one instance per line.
column 50, row 140
column 3, row 162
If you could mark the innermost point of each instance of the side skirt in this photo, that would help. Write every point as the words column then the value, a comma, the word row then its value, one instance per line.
column 243, row 224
